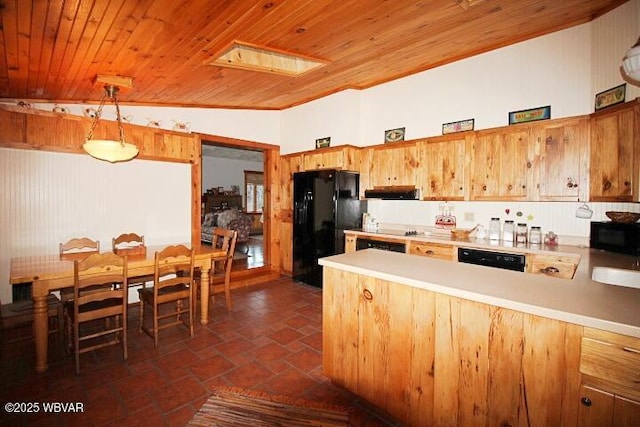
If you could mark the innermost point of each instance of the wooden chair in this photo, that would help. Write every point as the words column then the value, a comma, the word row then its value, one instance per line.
column 225, row 239
column 132, row 242
column 74, row 246
column 96, row 298
column 19, row 315
column 172, row 283
column 81, row 244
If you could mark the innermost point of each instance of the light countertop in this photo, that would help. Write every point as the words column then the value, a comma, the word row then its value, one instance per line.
column 580, row 300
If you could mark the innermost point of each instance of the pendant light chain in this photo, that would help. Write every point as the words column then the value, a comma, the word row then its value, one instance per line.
column 98, row 115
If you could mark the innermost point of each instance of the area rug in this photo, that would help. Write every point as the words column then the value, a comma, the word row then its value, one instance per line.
column 236, row 407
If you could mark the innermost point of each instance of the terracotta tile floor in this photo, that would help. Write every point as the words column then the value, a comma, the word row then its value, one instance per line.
column 270, row 342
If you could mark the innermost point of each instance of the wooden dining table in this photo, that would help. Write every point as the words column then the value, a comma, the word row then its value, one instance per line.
column 52, row 272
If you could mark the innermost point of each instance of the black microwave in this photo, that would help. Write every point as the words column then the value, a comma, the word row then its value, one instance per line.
column 615, row 237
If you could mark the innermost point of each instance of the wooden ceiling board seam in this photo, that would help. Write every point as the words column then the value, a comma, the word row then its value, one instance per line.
column 23, row 27
column 10, row 30
column 176, row 70
column 79, row 18
column 37, row 39
column 54, row 15
column 4, row 70
column 96, row 28
column 68, row 9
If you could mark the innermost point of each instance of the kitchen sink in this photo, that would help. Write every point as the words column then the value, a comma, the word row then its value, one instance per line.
column 616, row 276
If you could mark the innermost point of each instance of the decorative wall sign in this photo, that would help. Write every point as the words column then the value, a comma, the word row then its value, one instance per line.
column 323, row 142
column 611, row 97
column 394, row 135
column 523, row 116
column 461, row 126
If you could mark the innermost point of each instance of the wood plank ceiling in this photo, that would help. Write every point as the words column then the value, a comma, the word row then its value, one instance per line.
column 53, row 49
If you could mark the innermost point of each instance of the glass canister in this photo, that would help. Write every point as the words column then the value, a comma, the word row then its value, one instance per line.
column 494, row 229
column 521, row 233
column 535, row 235
column 508, row 231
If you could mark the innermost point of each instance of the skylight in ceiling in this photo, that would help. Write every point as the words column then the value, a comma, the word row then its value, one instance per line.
column 258, row 58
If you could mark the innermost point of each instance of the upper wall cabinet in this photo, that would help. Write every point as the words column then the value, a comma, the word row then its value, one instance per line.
column 501, row 164
column 344, row 157
column 613, row 150
column 389, row 164
column 561, row 148
column 442, row 165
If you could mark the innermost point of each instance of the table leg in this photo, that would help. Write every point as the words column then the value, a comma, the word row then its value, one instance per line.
column 204, row 294
column 40, row 292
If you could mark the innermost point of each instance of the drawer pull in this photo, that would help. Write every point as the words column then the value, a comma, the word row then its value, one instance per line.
column 549, row 270
column 586, row 401
column 429, row 252
column 368, row 296
column 631, row 350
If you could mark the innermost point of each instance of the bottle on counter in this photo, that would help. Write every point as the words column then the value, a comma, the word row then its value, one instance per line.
column 508, row 231
column 521, row 233
column 535, row 235
column 494, row 229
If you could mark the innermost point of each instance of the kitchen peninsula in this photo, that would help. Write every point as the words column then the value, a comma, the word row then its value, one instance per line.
column 438, row 342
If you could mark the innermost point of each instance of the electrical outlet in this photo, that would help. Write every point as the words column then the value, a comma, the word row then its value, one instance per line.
column 469, row 216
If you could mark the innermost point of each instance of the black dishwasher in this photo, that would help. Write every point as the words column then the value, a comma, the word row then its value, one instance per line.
column 507, row 261
column 378, row 244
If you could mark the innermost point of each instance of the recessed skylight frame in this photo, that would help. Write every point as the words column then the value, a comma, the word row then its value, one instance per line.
column 253, row 57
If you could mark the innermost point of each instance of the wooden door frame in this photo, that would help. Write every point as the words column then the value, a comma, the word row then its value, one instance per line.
column 271, row 156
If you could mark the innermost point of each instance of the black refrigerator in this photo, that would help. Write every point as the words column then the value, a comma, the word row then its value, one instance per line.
column 325, row 203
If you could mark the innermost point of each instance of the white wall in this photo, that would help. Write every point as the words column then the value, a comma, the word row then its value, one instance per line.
column 221, row 172
column 47, row 198
column 563, row 69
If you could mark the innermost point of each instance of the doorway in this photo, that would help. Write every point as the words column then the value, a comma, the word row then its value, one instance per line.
column 225, row 169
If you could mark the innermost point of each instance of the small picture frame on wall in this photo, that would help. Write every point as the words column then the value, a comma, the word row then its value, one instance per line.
column 394, row 135
column 530, row 115
column 609, row 97
column 323, row 142
column 460, row 126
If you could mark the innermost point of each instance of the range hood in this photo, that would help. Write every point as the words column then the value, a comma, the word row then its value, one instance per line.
column 393, row 193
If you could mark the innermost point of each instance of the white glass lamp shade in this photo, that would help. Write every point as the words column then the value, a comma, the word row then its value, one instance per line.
column 110, row 150
column 631, row 63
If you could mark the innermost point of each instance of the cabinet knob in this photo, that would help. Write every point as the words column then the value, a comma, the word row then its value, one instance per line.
column 429, row 252
column 586, row 401
column 484, row 188
column 607, row 185
column 510, row 187
column 368, row 296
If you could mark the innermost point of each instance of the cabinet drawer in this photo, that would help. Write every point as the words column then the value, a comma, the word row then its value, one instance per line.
column 612, row 359
column 561, row 266
column 433, row 250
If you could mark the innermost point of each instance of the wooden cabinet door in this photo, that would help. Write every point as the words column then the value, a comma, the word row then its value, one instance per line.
column 392, row 165
column 333, row 159
column 501, row 168
column 612, row 154
column 626, row 412
column 442, row 165
column 562, row 147
column 596, row 407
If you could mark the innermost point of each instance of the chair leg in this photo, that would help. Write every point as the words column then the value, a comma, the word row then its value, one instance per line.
column 227, row 294
column 124, row 335
column 76, row 344
column 155, row 323
column 140, row 316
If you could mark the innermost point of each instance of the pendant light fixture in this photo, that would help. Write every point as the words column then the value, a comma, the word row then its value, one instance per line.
column 631, row 64
column 110, row 150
